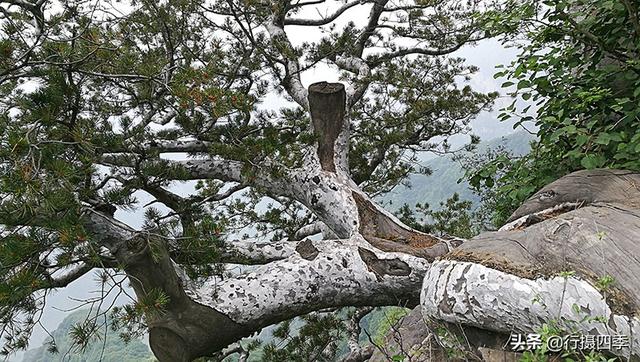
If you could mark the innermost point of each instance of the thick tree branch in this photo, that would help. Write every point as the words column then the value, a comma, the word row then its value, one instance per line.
column 109, row 232
column 196, row 169
column 362, row 70
column 179, row 331
column 164, row 146
column 457, row 292
column 170, row 199
column 260, row 176
column 308, row 230
column 318, row 274
column 252, row 252
column 322, row 274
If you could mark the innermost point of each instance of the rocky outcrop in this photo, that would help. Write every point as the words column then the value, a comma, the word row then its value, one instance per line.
column 570, row 256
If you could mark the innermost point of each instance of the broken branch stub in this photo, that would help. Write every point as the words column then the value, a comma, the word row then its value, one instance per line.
column 327, row 103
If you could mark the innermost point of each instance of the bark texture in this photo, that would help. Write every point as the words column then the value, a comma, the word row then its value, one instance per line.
column 372, row 260
column 586, row 223
column 180, row 330
column 327, row 103
column 546, row 265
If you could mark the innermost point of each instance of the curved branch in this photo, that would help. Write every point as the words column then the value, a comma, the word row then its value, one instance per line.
column 291, row 83
column 325, row 19
column 359, row 67
column 377, row 60
column 369, row 30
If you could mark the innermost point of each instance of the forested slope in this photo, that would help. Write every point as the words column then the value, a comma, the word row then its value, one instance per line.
column 111, row 349
column 446, row 172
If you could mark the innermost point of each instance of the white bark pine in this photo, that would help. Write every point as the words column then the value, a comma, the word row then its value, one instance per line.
column 502, row 282
column 546, row 265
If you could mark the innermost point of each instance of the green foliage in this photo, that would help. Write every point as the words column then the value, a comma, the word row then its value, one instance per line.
column 605, row 282
column 104, row 345
column 579, row 67
column 382, row 321
column 85, row 87
column 90, row 91
column 447, row 177
column 453, row 218
column 561, row 328
column 317, row 340
column 553, row 330
column 129, row 319
column 411, row 103
column 200, row 249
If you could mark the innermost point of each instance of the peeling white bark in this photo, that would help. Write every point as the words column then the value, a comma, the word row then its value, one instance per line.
column 335, row 273
column 331, row 200
column 212, row 168
column 336, row 276
column 472, row 294
column 258, row 252
column 226, row 170
column 327, row 194
column 309, row 230
column 163, row 146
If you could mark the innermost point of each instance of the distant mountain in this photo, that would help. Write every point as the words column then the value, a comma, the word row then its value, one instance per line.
column 443, row 181
column 108, row 348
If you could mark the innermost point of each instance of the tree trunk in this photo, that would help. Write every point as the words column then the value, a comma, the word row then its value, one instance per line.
column 369, row 258
column 327, row 102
